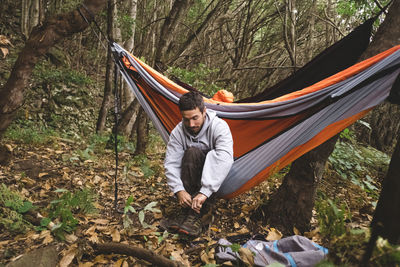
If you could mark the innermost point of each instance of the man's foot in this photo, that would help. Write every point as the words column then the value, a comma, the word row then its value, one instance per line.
column 172, row 224
column 175, row 223
column 192, row 225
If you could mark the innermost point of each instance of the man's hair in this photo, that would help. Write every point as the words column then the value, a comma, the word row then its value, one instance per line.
column 190, row 101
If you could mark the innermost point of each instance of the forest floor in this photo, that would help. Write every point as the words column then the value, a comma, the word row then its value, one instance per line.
column 38, row 172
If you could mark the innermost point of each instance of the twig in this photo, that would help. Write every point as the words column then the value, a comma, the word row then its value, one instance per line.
column 140, row 253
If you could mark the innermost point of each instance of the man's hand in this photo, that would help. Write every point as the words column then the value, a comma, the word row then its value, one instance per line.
column 198, row 201
column 184, row 198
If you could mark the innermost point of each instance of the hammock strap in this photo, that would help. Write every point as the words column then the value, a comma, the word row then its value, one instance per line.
column 116, row 120
column 95, row 23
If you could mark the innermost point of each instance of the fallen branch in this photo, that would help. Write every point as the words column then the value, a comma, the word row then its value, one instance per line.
column 140, row 253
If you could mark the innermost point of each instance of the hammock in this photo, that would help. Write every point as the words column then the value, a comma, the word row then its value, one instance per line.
column 270, row 134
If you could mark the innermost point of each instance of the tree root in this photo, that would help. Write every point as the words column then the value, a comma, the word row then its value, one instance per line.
column 140, row 253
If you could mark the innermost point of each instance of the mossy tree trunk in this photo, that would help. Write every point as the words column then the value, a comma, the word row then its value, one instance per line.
column 40, row 41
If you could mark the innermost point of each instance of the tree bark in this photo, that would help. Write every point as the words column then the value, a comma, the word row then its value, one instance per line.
column 385, row 222
column 108, row 84
column 384, row 120
column 126, row 123
column 167, row 31
column 291, row 205
column 40, row 41
column 129, row 116
column 140, row 253
column 25, row 18
column 142, row 132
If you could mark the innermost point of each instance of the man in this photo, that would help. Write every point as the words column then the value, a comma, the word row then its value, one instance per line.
column 198, row 159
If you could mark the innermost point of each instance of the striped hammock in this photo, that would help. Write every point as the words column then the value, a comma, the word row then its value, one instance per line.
column 268, row 135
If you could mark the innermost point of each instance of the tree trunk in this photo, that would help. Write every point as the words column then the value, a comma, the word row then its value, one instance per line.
column 311, row 28
column 167, row 31
column 291, row 205
column 25, row 18
column 132, row 11
column 386, row 219
column 384, row 120
column 126, row 123
column 108, row 84
column 40, row 41
column 142, row 132
column 128, row 118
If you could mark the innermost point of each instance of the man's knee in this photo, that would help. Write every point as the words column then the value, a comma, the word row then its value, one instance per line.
column 193, row 151
column 194, row 155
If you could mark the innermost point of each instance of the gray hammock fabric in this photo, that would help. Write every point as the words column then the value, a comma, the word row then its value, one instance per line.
column 289, row 251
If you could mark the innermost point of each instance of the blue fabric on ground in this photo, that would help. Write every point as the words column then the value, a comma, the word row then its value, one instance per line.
column 296, row 251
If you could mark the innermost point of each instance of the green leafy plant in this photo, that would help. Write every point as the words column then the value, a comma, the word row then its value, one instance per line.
column 331, row 218
column 359, row 164
column 62, row 210
column 128, row 209
column 200, row 77
column 144, row 164
column 386, row 254
column 30, row 132
column 127, row 222
column 148, row 207
column 12, row 207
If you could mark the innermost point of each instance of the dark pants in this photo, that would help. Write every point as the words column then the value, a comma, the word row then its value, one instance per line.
column 191, row 171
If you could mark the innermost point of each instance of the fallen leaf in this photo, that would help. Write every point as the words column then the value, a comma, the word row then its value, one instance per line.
column 100, row 259
column 118, row 263
column 236, row 225
column 85, row 264
column 4, row 40
column 42, row 174
column 4, row 51
column 71, row 238
column 101, row 221
column 247, row 256
column 48, row 238
column 28, row 181
column 296, row 231
column 207, row 258
column 9, row 147
column 69, row 256
column 47, row 186
column 116, row 236
column 177, row 257
column 274, row 234
column 96, row 179
column 3, row 243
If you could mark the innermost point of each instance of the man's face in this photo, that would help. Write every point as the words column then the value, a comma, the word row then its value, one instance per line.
column 193, row 120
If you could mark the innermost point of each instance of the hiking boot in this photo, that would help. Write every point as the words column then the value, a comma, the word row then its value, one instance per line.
column 192, row 226
column 172, row 224
column 175, row 223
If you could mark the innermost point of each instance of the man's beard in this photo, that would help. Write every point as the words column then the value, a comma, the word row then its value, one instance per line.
column 193, row 130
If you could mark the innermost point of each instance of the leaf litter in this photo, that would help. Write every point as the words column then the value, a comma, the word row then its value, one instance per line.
column 151, row 200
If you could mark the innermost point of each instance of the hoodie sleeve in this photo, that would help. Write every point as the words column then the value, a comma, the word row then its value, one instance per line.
column 219, row 160
column 172, row 162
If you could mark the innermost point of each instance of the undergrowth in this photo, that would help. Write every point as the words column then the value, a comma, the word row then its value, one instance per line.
column 62, row 210
column 13, row 207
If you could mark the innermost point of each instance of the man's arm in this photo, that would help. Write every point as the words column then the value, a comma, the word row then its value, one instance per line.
column 172, row 162
column 218, row 161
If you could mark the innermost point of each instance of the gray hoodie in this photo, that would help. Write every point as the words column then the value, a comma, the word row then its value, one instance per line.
column 215, row 136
